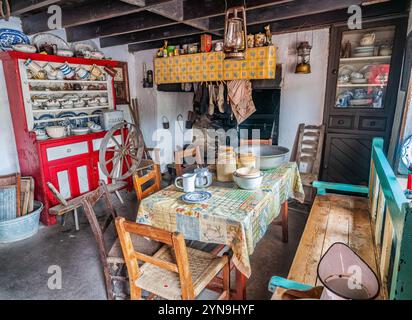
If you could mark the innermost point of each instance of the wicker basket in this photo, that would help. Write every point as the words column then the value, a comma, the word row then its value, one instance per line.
column 21, row 228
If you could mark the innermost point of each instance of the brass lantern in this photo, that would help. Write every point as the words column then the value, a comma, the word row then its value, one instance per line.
column 303, row 65
column 235, row 33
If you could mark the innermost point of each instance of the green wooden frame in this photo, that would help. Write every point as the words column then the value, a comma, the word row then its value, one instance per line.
column 385, row 189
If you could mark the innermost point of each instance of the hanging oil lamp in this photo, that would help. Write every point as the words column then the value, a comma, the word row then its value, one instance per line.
column 235, row 33
column 303, row 65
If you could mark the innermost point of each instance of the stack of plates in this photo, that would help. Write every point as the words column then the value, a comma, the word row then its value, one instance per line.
column 364, row 51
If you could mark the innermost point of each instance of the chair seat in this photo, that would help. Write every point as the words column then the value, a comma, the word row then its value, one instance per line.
column 166, row 284
column 140, row 244
column 308, row 178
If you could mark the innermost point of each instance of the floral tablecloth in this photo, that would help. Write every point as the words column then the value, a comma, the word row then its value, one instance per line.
column 234, row 217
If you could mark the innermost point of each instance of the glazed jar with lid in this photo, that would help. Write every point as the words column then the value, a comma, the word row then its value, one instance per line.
column 226, row 164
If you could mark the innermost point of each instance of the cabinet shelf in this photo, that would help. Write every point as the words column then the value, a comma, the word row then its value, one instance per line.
column 70, row 109
column 68, row 118
column 363, row 85
column 66, row 81
column 80, row 92
column 366, row 59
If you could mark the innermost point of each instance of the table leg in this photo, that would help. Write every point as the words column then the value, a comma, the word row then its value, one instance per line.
column 285, row 221
column 240, row 287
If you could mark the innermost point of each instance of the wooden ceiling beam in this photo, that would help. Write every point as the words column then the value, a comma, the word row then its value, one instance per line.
column 370, row 13
column 150, row 35
column 86, row 13
column 19, row 7
column 210, row 8
column 290, row 10
column 116, row 26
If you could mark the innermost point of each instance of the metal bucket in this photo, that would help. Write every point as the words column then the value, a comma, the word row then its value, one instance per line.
column 21, row 228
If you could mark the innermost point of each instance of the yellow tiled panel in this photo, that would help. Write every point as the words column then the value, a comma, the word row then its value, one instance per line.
column 260, row 63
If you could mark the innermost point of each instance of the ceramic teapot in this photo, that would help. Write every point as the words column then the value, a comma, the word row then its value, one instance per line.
column 368, row 40
column 204, row 178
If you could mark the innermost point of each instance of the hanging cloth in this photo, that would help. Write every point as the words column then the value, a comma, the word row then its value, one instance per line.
column 240, row 97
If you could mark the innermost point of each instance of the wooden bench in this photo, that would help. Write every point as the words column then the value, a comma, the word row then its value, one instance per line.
column 378, row 228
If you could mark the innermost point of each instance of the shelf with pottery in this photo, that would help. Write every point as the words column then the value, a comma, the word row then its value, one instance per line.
column 361, row 85
column 69, row 109
column 48, row 81
column 80, row 92
column 367, row 59
column 68, row 118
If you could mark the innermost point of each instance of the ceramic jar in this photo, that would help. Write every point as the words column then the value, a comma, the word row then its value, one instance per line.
column 246, row 160
column 260, row 40
column 250, row 41
column 226, row 164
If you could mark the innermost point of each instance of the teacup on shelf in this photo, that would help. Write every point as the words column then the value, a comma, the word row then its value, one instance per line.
column 79, row 104
column 53, row 104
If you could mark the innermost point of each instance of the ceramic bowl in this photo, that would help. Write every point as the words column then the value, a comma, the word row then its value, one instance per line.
column 247, row 183
column 79, row 131
column 27, row 48
column 56, row 132
column 65, row 53
column 248, row 172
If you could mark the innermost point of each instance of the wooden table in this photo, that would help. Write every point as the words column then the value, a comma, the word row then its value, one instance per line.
column 233, row 217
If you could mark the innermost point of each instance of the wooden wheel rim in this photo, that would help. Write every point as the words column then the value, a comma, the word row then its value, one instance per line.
column 128, row 154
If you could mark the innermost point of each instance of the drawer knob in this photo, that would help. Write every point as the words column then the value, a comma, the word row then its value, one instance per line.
column 69, row 150
column 341, row 122
column 372, row 123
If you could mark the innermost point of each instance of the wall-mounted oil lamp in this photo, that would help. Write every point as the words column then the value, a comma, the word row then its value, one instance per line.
column 303, row 65
column 235, row 33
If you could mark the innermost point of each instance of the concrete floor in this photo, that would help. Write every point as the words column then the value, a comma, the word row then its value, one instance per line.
column 24, row 265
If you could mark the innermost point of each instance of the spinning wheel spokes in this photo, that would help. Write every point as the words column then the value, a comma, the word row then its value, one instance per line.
column 121, row 151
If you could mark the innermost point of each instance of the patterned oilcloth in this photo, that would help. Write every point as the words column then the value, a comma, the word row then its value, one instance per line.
column 234, row 217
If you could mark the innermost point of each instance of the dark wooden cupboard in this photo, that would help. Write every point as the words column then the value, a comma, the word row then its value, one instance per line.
column 361, row 95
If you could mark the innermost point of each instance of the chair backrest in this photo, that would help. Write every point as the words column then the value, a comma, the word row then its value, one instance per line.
column 148, row 172
column 89, row 201
column 391, row 215
column 175, row 240
column 191, row 155
column 308, row 153
column 244, row 142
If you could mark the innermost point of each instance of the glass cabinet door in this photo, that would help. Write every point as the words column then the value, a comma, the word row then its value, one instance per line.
column 364, row 68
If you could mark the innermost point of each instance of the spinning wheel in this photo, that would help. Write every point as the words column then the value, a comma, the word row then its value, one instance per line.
column 121, row 151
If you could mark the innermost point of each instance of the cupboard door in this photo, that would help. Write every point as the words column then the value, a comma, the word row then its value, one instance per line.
column 72, row 179
column 347, row 158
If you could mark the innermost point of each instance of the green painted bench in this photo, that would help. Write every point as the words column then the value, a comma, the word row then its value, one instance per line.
column 377, row 227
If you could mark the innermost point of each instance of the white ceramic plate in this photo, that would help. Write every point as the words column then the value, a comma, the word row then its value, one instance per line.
column 407, row 152
column 196, row 197
column 50, row 38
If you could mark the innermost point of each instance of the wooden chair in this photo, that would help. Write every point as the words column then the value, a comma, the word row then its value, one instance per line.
column 112, row 260
column 244, row 142
column 180, row 165
column 88, row 202
column 174, row 272
column 308, row 156
column 149, row 172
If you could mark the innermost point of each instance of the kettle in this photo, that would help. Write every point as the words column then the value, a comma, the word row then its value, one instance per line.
column 204, row 177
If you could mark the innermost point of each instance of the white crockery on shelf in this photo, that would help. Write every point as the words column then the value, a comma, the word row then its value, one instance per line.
column 27, row 48
column 56, row 131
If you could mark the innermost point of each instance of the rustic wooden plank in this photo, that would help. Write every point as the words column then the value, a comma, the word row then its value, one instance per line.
column 89, row 12
column 19, row 7
column 150, row 35
column 386, row 250
column 125, row 24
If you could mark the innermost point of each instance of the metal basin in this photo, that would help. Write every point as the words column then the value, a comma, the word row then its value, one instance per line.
column 267, row 157
column 21, row 228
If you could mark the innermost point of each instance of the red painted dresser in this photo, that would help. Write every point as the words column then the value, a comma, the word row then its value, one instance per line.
column 70, row 163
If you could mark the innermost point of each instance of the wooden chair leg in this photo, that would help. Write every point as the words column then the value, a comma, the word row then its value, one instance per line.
column 76, row 219
column 119, row 197
column 285, row 221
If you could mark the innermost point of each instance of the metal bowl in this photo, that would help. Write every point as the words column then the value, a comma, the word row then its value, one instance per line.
column 267, row 157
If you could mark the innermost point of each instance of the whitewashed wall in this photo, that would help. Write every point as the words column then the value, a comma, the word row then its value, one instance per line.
column 302, row 96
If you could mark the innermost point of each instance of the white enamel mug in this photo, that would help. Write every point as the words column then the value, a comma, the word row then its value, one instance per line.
column 187, row 182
